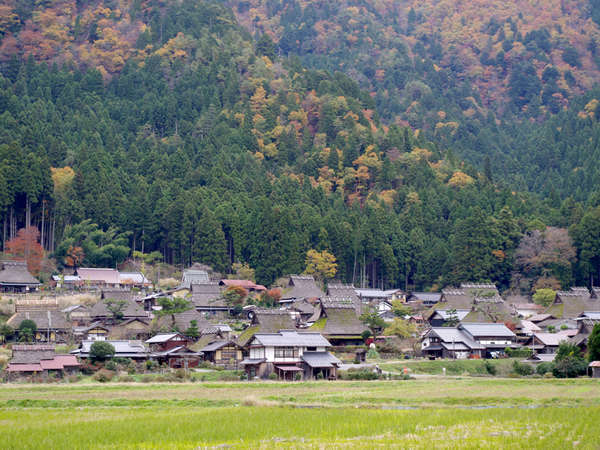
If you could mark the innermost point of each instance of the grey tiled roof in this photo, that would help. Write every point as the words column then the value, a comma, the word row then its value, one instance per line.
column 487, row 329
column 288, row 338
column 320, row 359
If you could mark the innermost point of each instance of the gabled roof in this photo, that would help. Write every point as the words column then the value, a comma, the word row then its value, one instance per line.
column 267, row 321
column 182, row 321
column 591, row 315
column 15, row 273
column 214, row 346
column 487, row 330
column 528, row 326
column 445, row 313
column 163, row 337
column 133, row 278
column 570, row 304
column 320, row 359
column 108, row 276
column 342, row 291
column 551, row 339
column 303, row 286
column 246, row 284
column 52, row 319
column 122, row 348
column 376, row 293
column 341, row 320
column 207, row 295
column 194, row 276
column 290, row 338
column 426, row 297
column 450, row 335
column 70, row 309
column 131, row 310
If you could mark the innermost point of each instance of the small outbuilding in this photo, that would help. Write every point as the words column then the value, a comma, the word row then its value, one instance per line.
column 595, row 366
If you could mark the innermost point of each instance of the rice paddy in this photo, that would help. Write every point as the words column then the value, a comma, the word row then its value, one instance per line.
column 428, row 413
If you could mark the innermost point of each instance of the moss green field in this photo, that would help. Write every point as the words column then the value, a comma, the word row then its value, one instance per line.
column 423, row 413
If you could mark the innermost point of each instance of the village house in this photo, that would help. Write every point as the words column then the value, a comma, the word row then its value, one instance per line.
column 123, row 349
column 266, row 321
column 441, row 317
column 134, row 279
column 545, row 343
column 15, row 278
column 571, row 304
column 52, row 325
column 92, row 332
column 136, row 328
column 301, row 287
column 346, row 291
column 172, row 349
column 78, row 315
column 194, row 276
column 585, row 325
column 373, row 297
column 595, row 367
column 468, row 340
column 427, row 299
column 208, row 299
column 96, row 278
column 288, row 353
column 182, row 321
column 129, row 309
column 250, row 286
column 71, row 282
column 39, row 360
column 337, row 320
column 223, row 353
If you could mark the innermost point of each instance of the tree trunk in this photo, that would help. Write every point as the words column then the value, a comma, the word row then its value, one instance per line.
column 27, row 212
column 4, row 233
column 11, row 232
column 43, row 223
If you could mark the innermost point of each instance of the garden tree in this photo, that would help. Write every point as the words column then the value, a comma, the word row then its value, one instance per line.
column 242, row 272
column 235, row 295
column 401, row 328
column 116, row 307
column 452, row 320
column 27, row 330
column 586, row 236
column 26, row 245
column 192, row 331
column 544, row 297
column 594, row 344
column 401, row 309
column 174, row 305
column 568, row 362
column 366, row 335
column 375, row 323
column 6, row 331
column 322, row 265
column 270, row 298
column 101, row 351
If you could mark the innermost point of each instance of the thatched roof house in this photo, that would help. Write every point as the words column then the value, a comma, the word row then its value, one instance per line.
column 14, row 277
column 339, row 322
column 301, row 287
column 267, row 321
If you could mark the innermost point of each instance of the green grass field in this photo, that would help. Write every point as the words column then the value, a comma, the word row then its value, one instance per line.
column 432, row 413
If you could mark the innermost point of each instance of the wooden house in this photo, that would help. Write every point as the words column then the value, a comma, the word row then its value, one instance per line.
column 136, row 328
column 338, row 322
column 545, row 343
column 427, row 299
column 571, row 304
column 39, row 360
column 92, row 332
column 182, row 321
column 194, row 276
column 301, row 287
column 133, row 349
column 14, row 277
column 52, row 325
column 346, row 291
column 97, row 278
column 266, row 321
column 172, row 349
column 208, row 299
column 78, row 315
column 223, row 353
column 129, row 310
column 440, row 317
column 288, row 353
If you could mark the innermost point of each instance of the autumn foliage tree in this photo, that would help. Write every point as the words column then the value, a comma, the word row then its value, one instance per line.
column 25, row 245
column 322, row 265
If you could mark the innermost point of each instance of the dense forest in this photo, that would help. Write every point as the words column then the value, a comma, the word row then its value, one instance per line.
column 160, row 126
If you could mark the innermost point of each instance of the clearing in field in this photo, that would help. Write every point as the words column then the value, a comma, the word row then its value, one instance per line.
column 433, row 413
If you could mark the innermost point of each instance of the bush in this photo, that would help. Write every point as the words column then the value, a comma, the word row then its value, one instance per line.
column 126, row 379
column 147, row 378
column 103, row 375
column 151, row 365
column 180, row 374
column 111, row 365
column 298, row 377
column 273, row 376
column 522, row 369
column 372, row 354
column 568, row 362
column 101, row 351
column 490, row 368
column 518, row 352
column 544, row 368
column 359, row 374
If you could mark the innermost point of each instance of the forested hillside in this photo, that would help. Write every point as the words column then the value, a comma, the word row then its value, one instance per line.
column 166, row 126
column 476, row 76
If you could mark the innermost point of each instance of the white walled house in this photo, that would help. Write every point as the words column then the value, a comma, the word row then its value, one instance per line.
column 288, row 353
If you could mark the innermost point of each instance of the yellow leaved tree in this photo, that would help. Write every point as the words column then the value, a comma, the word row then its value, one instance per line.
column 322, row 265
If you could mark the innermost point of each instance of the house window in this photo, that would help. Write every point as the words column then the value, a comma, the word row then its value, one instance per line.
column 285, row 352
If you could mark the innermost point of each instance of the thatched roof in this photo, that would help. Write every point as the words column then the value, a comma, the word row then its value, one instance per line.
column 341, row 318
column 15, row 273
column 182, row 321
column 302, row 286
column 131, row 310
column 207, row 295
column 267, row 321
column 571, row 304
column 52, row 319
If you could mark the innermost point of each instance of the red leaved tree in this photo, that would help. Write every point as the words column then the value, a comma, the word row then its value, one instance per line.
column 25, row 245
